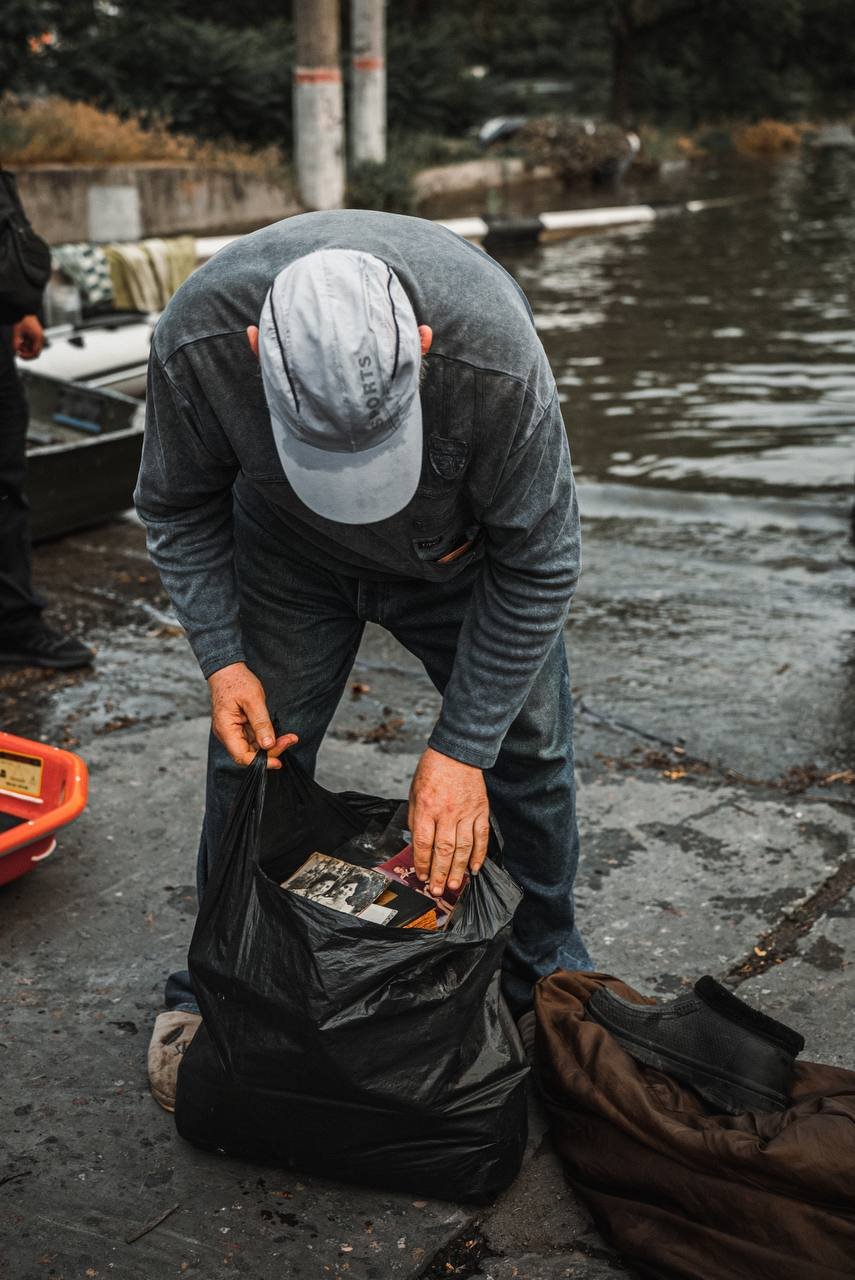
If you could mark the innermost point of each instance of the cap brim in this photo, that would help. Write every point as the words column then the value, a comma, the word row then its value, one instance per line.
column 360, row 487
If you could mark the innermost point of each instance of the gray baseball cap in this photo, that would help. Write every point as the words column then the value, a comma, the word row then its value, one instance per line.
column 340, row 352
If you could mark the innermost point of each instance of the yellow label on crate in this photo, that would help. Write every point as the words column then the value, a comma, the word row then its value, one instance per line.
column 22, row 774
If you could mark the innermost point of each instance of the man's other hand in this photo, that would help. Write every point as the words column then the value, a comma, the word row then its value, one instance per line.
column 28, row 338
column 240, row 719
column 449, row 819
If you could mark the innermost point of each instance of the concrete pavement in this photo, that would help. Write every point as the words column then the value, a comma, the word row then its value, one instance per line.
column 712, row 842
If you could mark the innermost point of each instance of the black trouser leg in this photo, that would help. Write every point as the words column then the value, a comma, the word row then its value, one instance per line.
column 20, row 606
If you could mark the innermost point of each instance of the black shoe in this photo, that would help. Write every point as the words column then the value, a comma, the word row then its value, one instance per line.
column 41, row 647
column 736, row 1058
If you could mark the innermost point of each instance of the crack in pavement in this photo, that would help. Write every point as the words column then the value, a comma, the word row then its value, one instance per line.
column 780, row 942
column 793, row 781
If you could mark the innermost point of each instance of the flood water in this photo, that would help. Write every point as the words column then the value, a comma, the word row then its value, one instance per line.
column 711, row 353
column 706, row 364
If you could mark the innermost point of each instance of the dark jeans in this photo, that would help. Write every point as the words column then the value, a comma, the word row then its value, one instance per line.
column 302, row 626
column 19, row 604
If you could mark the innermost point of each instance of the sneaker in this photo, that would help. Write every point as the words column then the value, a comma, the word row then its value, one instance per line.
column 527, row 1026
column 42, row 647
column 172, row 1035
column 736, row 1058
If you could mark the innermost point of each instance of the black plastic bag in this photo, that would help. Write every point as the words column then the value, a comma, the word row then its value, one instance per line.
column 360, row 1052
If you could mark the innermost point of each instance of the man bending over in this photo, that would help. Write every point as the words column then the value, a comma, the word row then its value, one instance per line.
column 351, row 418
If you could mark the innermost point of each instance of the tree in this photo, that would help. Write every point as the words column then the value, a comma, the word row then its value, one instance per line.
column 220, row 69
column 210, row 79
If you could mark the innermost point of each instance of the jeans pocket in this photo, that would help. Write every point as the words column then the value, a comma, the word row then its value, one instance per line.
column 432, row 548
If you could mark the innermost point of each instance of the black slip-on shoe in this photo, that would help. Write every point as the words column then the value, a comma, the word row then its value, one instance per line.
column 736, row 1058
column 41, row 647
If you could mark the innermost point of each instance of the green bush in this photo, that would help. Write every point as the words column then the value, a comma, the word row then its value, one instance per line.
column 209, row 80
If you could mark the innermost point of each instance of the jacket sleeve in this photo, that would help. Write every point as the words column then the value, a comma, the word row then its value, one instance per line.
column 184, row 499
column 521, row 597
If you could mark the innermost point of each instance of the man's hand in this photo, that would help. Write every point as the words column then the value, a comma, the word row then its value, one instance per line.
column 240, row 719
column 28, row 338
column 449, row 819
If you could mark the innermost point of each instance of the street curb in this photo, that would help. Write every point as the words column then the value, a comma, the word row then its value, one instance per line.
column 533, row 229
column 561, row 223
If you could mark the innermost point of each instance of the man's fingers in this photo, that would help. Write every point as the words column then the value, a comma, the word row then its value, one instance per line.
column 462, row 854
column 481, row 832
column 281, row 744
column 448, row 817
column 259, row 726
column 239, row 714
column 231, row 735
column 423, row 835
column 444, row 846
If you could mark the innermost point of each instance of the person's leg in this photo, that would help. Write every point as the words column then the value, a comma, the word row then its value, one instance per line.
column 24, row 636
column 300, row 634
column 531, row 787
column 20, row 606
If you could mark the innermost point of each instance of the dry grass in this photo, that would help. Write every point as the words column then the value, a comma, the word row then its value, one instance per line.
column 767, row 137
column 56, row 131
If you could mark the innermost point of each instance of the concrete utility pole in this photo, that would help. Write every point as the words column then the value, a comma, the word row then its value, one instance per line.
column 318, row 105
column 368, row 101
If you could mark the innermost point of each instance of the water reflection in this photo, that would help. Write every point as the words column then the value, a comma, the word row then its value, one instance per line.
column 712, row 352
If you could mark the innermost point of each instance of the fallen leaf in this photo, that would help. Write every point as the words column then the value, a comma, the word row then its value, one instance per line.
column 758, row 951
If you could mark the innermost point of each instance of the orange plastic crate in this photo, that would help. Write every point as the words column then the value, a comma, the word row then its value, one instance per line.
column 42, row 789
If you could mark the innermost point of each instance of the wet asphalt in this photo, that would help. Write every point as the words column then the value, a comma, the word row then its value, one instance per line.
column 713, row 675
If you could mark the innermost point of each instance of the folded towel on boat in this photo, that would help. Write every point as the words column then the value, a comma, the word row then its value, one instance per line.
column 135, row 285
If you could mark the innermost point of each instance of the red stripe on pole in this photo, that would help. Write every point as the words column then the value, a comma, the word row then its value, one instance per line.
column 369, row 64
column 317, row 75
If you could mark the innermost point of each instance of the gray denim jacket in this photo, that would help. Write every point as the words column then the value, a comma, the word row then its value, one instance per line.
column 496, row 467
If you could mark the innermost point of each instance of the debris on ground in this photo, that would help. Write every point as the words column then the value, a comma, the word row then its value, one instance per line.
column 386, row 731
column 461, row 1258
column 793, row 781
column 800, row 777
column 150, row 1226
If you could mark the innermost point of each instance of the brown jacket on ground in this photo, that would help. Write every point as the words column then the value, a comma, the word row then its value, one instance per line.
column 683, row 1194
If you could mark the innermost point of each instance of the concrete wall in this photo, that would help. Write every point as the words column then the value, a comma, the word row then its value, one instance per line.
column 476, row 176
column 125, row 202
